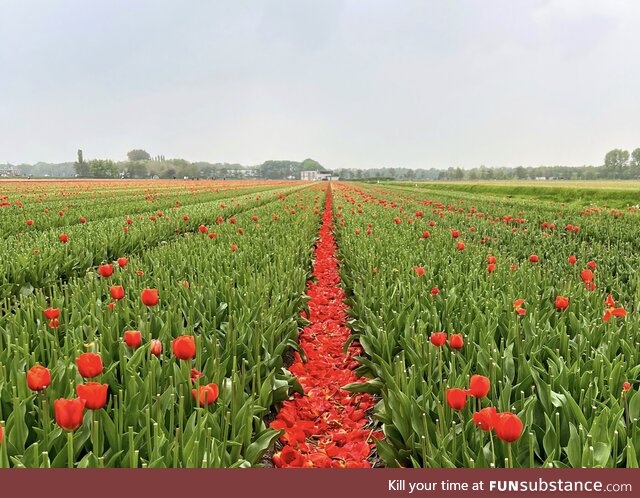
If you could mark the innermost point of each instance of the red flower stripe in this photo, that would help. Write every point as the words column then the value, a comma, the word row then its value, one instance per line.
column 327, row 426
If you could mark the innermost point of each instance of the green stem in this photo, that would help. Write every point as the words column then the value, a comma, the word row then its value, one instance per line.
column 70, row 450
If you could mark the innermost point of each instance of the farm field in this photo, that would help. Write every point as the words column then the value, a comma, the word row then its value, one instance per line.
column 292, row 324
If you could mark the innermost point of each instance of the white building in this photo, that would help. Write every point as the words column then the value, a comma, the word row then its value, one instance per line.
column 313, row 176
column 9, row 170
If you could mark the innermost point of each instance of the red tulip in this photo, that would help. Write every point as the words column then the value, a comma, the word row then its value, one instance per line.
column 117, row 292
column 149, row 297
column 195, row 374
column 133, row 338
column 456, row 341
column 508, row 427
column 212, row 235
column 562, row 303
column 64, row 238
column 533, row 258
column 491, row 267
column 626, row 386
column 122, row 262
column 83, row 220
column 89, row 365
column 435, row 291
column 155, row 347
column 105, row 271
column 208, row 394
column 69, row 413
column 94, row 393
column 592, row 265
column 455, row 234
column 38, row 378
column 590, row 286
column 612, row 310
column 572, row 260
column 425, row 235
column 419, row 270
column 202, row 228
column 517, row 305
column 456, row 398
column 54, row 324
column 438, row 338
column 29, row 222
column 184, row 347
column 52, row 313
column 586, row 275
column 479, row 386
column 491, row 260
column 234, row 248
column 485, row 418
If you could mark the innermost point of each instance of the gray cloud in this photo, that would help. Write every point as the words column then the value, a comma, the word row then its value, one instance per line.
column 351, row 83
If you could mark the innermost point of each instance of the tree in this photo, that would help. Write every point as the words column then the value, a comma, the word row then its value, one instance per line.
column 136, row 169
column 138, row 155
column 103, row 168
column 615, row 162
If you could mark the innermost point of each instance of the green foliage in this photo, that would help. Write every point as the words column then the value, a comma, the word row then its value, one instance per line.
column 138, row 155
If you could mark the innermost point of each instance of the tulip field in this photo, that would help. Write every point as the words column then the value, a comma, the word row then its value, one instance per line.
column 283, row 324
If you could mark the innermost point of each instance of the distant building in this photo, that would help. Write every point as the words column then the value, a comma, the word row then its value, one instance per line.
column 9, row 170
column 313, row 176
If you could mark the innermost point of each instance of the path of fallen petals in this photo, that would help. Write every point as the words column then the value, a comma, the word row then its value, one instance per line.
column 327, row 426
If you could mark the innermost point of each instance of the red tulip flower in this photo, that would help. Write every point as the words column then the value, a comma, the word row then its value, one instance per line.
column 562, row 303
column 149, row 297
column 83, row 220
column 133, row 338
column 155, row 347
column 419, row 270
column 69, row 413
column 202, row 228
column 460, row 246
column 117, row 292
column 612, row 310
column 626, row 386
column 29, row 222
column 435, row 291
column 94, row 393
column 534, row 258
column 207, row 394
column 195, row 374
column 517, row 305
column 479, row 386
column 572, row 260
column 52, row 313
column 455, row 234
column 456, row 398
column 105, row 271
column 38, row 378
column 508, row 427
column 456, row 341
column 591, row 265
column 438, row 338
column 234, row 248
column 586, row 275
column 485, row 418
column 89, row 365
column 122, row 262
column 425, row 235
column 64, row 238
column 184, row 347
column 491, row 267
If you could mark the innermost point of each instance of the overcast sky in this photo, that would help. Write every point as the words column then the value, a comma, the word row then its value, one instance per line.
column 360, row 83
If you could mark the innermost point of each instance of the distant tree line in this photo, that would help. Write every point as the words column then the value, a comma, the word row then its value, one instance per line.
column 618, row 164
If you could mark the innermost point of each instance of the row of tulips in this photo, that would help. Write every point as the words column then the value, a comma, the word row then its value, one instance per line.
column 31, row 207
column 39, row 259
column 188, row 337
column 547, row 315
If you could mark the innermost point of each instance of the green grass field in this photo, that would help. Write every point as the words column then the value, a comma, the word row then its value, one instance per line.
column 611, row 193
